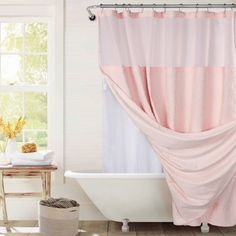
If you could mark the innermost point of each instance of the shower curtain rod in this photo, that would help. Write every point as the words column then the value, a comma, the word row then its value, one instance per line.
column 92, row 16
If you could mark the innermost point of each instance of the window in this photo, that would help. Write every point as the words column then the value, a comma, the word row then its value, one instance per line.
column 24, row 77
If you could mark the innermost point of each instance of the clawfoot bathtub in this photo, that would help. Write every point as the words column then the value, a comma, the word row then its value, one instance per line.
column 126, row 197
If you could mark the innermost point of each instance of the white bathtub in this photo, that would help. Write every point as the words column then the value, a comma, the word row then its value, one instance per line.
column 127, row 197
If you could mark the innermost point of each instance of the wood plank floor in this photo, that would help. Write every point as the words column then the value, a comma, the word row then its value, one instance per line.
column 105, row 228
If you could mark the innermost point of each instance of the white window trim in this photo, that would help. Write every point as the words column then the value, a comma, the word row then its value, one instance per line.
column 59, row 51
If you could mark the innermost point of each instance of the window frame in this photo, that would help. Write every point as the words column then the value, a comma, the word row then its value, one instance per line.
column 54, row 10
column 49, row 87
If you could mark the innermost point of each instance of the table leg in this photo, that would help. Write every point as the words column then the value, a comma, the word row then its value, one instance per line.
column 43, row 178
column 48, row 184
column 3, row 201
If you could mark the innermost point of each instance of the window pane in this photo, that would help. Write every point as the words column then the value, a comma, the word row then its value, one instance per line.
column 19, row 140
column 24, row 61
column 36, row 69
column 38, row 137
column 11, row 105
column 11, row 69
column 11, row 109
column 11, row 37
column 36, row 110
column 36, row 35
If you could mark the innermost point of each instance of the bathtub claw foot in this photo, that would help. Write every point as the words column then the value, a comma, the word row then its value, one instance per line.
column 125, row 226
column 205, row 228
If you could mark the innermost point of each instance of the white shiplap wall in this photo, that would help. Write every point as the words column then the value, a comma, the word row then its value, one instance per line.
column 83, row 90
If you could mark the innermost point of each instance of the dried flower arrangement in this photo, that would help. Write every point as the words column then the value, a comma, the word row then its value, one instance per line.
column 11, row 129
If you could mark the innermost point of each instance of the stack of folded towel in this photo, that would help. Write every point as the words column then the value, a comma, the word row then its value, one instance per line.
column 39, row 158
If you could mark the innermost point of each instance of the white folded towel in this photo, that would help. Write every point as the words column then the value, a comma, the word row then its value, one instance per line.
column 33, row 159
column 24, row 162
column 34, row 156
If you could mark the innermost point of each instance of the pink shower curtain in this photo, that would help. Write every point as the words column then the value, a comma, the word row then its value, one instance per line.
column 174, row 73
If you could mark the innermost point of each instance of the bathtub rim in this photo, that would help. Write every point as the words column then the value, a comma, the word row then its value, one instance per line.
column 100, row 175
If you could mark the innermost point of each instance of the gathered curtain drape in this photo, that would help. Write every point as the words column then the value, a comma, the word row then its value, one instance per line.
column 174, row 73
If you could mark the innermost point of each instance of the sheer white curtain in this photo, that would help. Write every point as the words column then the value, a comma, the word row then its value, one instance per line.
column 125, row 147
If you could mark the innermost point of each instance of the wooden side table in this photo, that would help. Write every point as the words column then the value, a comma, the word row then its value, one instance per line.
column 42, row 172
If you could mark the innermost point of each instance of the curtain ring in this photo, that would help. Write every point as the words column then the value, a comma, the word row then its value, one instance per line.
column 101, row 7
column 197, row 7
column 129, row 7
column 116, row 6
column 153, row 8
column 232, row 6
column 225, row 8
column 209, row 4
column 141, row 6
column 123, row 6
column 181, row 5
column 164, row 6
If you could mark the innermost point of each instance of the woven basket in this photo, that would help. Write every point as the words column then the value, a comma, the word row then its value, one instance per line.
column 58, row 221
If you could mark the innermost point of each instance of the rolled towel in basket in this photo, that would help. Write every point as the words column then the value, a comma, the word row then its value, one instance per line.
column 59, row 203
column 58, row 217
